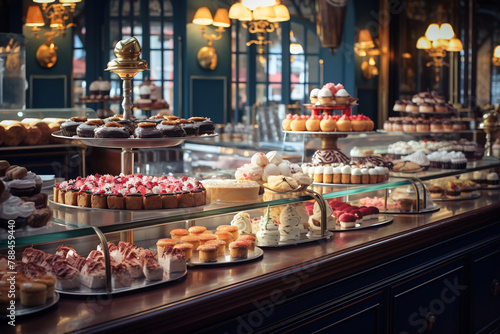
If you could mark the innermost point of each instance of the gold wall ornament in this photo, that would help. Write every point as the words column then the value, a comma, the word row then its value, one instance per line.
column 46, row 55
column 207, row 58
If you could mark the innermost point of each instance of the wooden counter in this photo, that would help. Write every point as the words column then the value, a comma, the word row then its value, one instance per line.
column 353, row 279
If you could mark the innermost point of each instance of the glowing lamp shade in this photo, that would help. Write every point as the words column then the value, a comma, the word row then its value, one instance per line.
column 281, row 13
column 253, row 4
column 371, row 61
column 496, row 52
column 446, row 31
column 203, row 16
column 34, row 17
column 264, row 13
column 221, row 18
column 423, row 43
column 43, row 1
column 455, row 45
column 365, row 40
column 69, row 1
column 57, row 22
column 240, row 12
column 432, row 32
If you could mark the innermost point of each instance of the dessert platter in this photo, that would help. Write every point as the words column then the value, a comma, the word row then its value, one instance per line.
column 22, row 310
column 131, row 268
column 129, row 192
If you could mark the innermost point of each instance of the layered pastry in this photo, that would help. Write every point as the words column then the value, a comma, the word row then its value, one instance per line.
column 147, row 130
column 204, row 125
column 231, row 190
column 138, row 191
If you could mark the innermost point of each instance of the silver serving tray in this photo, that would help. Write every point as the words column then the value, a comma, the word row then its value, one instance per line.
column 252, row 255
column 335, row 185
column 473, row 195
column 304, row 238
column 137, row 284
column 132, row 142
column 327, row 133
column 424, row 210
column 489, row 187
column 24, row 310
column 382, row 220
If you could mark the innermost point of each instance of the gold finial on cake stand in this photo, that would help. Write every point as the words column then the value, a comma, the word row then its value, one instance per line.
column 489, row 125
column 127, row 64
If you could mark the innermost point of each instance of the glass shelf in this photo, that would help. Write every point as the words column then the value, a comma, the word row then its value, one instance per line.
column 20, row 114
column 71, row 222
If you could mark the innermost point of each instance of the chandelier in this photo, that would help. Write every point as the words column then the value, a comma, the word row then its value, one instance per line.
column 259, row 17
column 437, row 40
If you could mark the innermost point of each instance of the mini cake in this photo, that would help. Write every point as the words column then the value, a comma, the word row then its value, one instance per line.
column 239, row 249
column 412, row 107
column 190, row 239
column 260, row 159
column 205, row 125
column 342, row 96
column 147, row 130
column 177, row 234
column 313, row 123
column 233, row 229
column 206, row 237
column 492, row 179
column 250, row 239
column 128, row 124
column 49, row 282
column 325, row 97
column 225, row 236
column 190, row 127
column 196, row 230
column 298, row 123
column 33, row 294
column 111, row 130
column 347, row 220
column 356, row 176
column 286, row 123
column 164, row 243
column 151, row 201
column 207, row 253
column 328, row 174
column 133, row 201
column 171, row 129
column 87, row 129
column 68, row 128
column 187, row 249
column 116, row 202
column 313, row 96
column 220, row 244
column 328, row 124
column 399, row 106
column 268, row 234
column 397, row 125
column 426, row 107
column 344, row 124
column 435, row 191
column 346, row 174
column 452, row 190
column 232, row 190
column 358, row 123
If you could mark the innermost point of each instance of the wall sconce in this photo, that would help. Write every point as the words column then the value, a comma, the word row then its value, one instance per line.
column 496, row 56
column 259, row 17
column 365, row 47
column 207, row 57
column 60, row 16
column 438, row 40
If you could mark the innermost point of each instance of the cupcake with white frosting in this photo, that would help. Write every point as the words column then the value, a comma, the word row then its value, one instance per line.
column 269, row 234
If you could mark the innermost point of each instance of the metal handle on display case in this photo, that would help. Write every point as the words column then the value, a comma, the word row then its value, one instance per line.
column 423, row 190
column 430, row 319
column 412, row 181
column 107, row 259
column 322, row 206
column 494, row 287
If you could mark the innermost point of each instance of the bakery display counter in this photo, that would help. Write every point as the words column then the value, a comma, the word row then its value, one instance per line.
column 238, row 296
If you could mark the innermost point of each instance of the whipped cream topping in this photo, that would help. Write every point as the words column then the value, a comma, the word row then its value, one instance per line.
column 15, row 207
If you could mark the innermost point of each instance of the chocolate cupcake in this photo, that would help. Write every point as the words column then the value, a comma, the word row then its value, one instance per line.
column 157, row 119
column 189, row 126
column 111, row 130
column 129, row 125
column 87, row 129
column 68, row 128
column 171, row 129
column 147, row 130
column 205, row 125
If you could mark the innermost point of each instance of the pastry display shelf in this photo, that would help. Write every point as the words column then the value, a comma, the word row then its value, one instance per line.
column 115, row 99
column 437, row 134
column 317, row 109
column 428, row 113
